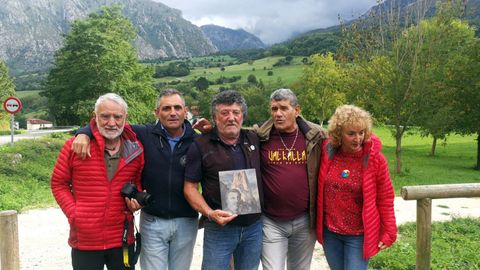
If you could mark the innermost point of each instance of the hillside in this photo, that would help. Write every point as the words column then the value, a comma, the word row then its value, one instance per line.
column 328, row 39
column 31, row 30
column 226, row 39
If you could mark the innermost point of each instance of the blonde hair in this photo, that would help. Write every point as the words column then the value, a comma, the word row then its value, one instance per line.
column 346, row 116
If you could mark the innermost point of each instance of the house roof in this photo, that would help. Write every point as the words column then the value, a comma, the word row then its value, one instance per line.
column 34, row 121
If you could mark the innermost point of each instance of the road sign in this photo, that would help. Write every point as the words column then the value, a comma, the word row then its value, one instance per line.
column 12, row 105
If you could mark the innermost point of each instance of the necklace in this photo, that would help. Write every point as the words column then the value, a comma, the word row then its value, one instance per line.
column 291, row 147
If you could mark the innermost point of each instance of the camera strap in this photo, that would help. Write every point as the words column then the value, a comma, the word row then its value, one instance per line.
column 137, row 244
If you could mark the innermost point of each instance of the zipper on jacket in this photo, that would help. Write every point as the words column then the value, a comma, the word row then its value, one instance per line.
column 173, row 153
column 170, row 181
column 107, row 206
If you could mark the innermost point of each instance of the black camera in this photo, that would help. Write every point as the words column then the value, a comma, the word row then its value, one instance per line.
column 130, row 191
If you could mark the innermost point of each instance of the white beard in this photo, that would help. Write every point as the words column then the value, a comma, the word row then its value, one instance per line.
column 109, row 133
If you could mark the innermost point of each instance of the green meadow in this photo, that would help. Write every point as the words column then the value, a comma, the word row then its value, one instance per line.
column 260, row 68
column 453, row 162
column 28, row 93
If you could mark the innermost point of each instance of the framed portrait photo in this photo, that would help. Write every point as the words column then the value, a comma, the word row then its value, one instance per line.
column 239, row 191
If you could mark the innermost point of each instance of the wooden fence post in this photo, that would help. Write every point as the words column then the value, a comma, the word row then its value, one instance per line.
column 424, row 233
column 9, row 255
column 424, row 196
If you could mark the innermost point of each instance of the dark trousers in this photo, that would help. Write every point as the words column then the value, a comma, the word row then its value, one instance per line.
column 96, row 259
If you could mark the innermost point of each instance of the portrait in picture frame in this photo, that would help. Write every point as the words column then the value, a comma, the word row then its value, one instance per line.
column 239, row 191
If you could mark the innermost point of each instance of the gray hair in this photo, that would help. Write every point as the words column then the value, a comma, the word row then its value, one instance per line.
column 170, row 92
column 112, row 97
column 229, row 97
column 284, row 93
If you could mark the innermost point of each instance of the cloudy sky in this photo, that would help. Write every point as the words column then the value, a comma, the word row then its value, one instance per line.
column 271, row 20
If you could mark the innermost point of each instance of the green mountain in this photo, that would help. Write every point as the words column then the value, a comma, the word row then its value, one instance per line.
column 328, row 39
column 32, row 30
column 226, row 39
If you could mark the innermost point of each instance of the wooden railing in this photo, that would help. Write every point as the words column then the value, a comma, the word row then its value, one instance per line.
column 424, row 196
column 9, row 258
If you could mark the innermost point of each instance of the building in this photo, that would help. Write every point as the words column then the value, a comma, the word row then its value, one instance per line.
column 36, row 124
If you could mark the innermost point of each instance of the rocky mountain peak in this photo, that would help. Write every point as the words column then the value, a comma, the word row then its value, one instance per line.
column 32, row 30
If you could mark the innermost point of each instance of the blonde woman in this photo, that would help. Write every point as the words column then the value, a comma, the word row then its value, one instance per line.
column 355, row 214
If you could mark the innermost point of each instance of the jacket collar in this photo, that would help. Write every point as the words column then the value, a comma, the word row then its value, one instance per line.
column 131, row 146
column 187, row 133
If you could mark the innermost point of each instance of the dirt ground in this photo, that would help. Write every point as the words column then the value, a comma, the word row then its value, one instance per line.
column 43, row 233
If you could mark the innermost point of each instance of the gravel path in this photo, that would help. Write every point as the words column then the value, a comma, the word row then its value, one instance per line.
column 43, row 233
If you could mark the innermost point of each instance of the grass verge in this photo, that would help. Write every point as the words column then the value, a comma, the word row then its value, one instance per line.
column 455, row 246
column 25, row 170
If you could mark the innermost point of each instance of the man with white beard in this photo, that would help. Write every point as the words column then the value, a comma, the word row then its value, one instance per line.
column 88, row 190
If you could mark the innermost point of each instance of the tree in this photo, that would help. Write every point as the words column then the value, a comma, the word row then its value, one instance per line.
column 258, row 102
column 445, row 37
column 383, row 72
column 98, row 57
column 416, row 77
column 320, row 92
column 174, row 69
column 7, row 89
column 201, row 83
column 252, row 79
column 466, row 97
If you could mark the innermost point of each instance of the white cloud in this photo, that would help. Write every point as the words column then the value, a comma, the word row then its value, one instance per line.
column 273, row 20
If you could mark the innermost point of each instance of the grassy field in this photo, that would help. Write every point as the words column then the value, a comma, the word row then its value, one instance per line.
column 212, row 59
column 455, row 246
column 453, row 162
column 22, row 94
column 288, row 74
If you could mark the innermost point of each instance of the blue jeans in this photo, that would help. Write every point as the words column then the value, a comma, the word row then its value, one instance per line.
column 289, row 242
column 344, row 252
column 243, row 242
column 167, row 243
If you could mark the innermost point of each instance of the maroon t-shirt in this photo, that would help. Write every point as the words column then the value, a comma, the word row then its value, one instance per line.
column 284, row 175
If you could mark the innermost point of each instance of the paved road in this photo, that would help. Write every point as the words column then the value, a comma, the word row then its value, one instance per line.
column 32, row 134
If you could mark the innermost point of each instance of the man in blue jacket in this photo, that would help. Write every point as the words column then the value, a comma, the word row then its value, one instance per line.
column 169, row 224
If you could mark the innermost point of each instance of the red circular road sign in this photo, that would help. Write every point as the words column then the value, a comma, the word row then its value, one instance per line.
column 12, row 105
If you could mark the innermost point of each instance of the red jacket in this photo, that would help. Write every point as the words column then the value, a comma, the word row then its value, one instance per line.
column 92, row 203
column 378, row 212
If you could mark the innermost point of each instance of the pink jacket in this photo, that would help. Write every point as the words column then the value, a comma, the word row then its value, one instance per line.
column 378, row 212
column 92, row 203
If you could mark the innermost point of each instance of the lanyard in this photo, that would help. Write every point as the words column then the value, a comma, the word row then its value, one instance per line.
column 137, row 247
